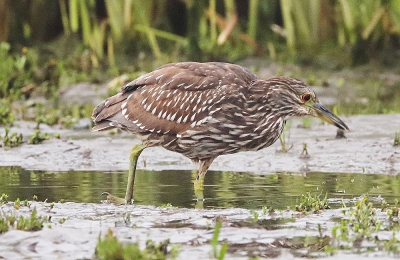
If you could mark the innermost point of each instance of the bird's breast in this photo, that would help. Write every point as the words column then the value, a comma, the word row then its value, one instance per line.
column 223, row 136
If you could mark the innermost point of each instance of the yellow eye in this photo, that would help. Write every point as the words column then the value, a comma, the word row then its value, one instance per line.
column 306, row 97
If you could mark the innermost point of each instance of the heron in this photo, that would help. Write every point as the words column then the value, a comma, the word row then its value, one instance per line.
column 204, row 110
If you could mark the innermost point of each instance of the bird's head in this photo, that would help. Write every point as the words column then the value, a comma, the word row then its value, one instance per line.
column 295, row 98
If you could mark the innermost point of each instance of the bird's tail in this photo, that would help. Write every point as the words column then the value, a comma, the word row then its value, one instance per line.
column 103, row 114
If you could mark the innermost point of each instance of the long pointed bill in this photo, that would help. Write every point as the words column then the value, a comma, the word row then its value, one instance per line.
column 328, row 116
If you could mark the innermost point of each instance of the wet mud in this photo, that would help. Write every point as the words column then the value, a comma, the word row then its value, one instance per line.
column 367, row 149
column 281, row 235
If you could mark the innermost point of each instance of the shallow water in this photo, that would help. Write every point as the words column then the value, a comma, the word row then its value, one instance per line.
column 222, row 189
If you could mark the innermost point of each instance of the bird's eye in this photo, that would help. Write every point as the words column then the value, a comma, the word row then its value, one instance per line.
column 306, row 97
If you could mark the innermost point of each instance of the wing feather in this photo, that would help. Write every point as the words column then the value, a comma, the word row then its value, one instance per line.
column 172, row 98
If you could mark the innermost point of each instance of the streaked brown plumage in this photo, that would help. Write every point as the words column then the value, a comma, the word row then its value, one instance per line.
column 203, row 110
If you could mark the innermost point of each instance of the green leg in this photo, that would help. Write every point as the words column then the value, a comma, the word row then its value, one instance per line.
column 133, row 158
column 134, row 155
column 199, row 181
column 199, row 193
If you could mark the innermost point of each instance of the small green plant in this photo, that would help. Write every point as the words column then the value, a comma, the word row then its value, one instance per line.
column 7, row 220
column 26, row 203
column 3, row 198
column 360, row 223
column 255, row 216
column 38, row 137
column 384, row 205
column 6, row 116
column 267, row 210
column 283, row 141
column 264, row 210
column 3, row 226
column 66, row 116
column 393, row 244
column 391, row 211
column 220, row 255
column 12, row 140
column 363, row 217
column 396, row 139
column 274, row 176
column 48, row 116
column 395, row 208
column 168, row 206
column 127, row 218
column 68, row 121
column 304, row 154
column 17, row 203
column 309, row 202
column 32, row 223
column 62, row 220
column 111, row 248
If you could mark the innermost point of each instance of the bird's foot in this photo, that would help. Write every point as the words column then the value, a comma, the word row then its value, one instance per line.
column 199, row 194
column 115, row 200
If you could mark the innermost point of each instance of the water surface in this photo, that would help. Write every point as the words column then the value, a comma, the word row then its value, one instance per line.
column 222, row 189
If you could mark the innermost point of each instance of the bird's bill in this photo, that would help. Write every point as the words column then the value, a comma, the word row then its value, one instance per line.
column 326, row 115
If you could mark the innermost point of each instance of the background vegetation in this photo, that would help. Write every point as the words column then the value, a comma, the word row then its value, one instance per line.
column 204, row 29
column 49, row 44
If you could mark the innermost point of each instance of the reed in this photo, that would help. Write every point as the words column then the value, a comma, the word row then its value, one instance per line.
column 394, row 7
column 301, row 21
column 214, row 27
column 253, row 19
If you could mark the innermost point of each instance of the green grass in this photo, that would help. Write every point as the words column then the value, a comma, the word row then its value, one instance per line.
column 31, row 223
column 38, row 137
column 218, row 251
column 307, row 202
column 360, row 223
column 9, row 220
column 255, row 216
column 3, row 198
column 284, row 142
column 10, row 140
column 6, row 115
column 110, row 247
column 304, row 153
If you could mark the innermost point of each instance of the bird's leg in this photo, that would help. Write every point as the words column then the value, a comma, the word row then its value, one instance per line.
column 133, row 158
column 199, row 182
column 199, row 194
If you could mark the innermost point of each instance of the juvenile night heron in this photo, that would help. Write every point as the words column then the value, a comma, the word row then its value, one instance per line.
column 203, row 110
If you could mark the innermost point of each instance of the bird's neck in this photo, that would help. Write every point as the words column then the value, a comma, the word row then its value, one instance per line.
column 270, row 124
column 267, row 132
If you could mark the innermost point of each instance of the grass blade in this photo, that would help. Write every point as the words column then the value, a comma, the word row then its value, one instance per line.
column 253, row 19
column 73, row 15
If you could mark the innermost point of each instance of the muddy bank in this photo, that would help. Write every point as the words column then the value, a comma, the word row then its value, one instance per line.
column 367, row 148
column 277, row 235
column 74, row 228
